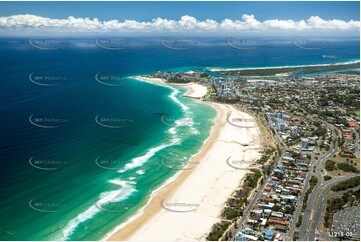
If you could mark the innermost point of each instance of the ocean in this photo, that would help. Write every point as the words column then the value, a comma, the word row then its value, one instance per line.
column 84, row 145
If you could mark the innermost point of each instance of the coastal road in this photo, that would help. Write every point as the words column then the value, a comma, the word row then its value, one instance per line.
column 320, row 206
column 316, row 200
column 316, row 190
column 323, row 203
column 308, row 227
column 314, row 196
column 248, row 209
column 250, row 206
column 300, row 201
column 319, row 234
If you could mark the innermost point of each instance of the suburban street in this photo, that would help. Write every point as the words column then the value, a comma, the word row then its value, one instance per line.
column 327, row 147
column 315, row 200
column 300, row 203
column 250, row 206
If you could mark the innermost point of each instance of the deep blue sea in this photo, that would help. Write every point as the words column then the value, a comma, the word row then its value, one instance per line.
column 83, row 145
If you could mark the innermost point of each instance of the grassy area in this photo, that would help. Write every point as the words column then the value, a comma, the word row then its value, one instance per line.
column 296, row 236
column 313, row 181
column 218, row 230
column 330, row 165
column 354, row 161
column 327, row 178
column 350, row 183
column 299, row 221
column 267, row 139
column 346, row 167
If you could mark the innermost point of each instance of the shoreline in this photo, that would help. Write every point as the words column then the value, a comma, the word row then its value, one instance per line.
column 153, row 217
column 159, row 82
column 194, row 90
column 279, row 67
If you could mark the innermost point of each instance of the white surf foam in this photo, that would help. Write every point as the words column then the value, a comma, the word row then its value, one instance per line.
column 141, row 210
column 172, row 130
column 140, row 172
column 112, row 196
column 173, row 96
column 153, row 194
column 139, row 161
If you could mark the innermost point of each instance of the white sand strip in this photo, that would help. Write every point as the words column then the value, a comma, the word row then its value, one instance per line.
column 197, row 196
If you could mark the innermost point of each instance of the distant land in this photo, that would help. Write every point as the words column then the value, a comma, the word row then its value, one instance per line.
column 289, row 70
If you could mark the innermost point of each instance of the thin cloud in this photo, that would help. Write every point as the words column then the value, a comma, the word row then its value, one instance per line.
column 248, row 23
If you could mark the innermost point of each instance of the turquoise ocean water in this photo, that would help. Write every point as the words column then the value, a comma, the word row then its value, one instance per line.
column 79, row 157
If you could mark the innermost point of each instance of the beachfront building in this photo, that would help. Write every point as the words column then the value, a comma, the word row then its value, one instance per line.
column 241, row 237
column 304, row 144
column 295, row 132
column 278, row 173
column 276, row 214
column 268, row 235
column 246, row 237
column 257, row 213
column 281, row 126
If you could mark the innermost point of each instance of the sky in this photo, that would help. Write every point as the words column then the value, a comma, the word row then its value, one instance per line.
column 202, row 17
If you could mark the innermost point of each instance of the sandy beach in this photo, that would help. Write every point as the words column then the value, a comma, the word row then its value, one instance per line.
column 187, row 207
column 284, row 74
column 194, row 90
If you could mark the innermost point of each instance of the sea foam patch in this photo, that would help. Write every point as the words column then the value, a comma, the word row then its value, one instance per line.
column 139, row 161
column 126, row 190
column 140, row 172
